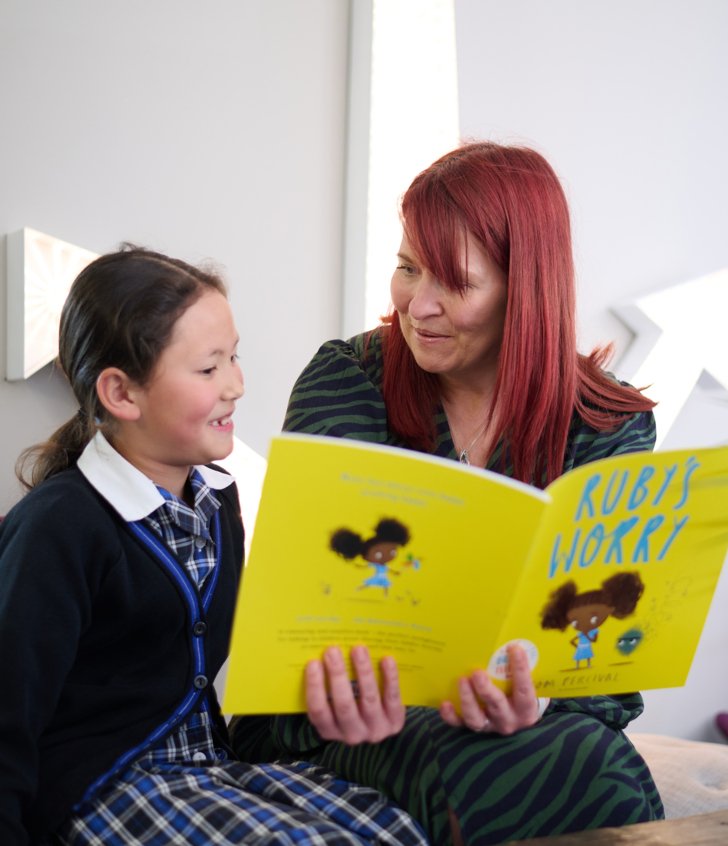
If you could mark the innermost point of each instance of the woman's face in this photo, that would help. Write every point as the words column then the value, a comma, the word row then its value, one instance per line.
column 452, row 333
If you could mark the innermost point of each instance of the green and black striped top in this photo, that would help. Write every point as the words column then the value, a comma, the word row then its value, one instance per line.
column 339, row 394
column 573, row 770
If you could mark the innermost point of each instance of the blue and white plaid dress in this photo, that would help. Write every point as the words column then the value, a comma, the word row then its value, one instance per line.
column 188, row 790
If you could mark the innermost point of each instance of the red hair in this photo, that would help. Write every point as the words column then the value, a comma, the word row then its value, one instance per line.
column 510, row 200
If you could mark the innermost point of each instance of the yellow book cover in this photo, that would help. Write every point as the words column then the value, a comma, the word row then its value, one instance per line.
column 606, row 577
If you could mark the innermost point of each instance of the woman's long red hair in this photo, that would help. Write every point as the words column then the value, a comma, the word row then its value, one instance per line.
column 510, row 200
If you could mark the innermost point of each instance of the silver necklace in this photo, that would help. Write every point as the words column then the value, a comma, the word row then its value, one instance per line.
column 464, row 454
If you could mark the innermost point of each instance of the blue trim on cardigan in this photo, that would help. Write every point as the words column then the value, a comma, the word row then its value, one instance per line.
column 195, row 607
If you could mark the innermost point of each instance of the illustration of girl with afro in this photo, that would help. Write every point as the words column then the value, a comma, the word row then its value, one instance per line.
column 617, row 597
column 377, row 550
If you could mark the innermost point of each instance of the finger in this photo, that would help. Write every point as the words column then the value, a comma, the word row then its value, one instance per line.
column 351, row 726
column 450, row 715
column 523, row 692
column 472, row 712
column 383, row 713
column 495, row 704
column 391, row 696
column 370, row 701
column 317, row 702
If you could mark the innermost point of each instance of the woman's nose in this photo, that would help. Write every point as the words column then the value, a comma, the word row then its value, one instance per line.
column 426, row 298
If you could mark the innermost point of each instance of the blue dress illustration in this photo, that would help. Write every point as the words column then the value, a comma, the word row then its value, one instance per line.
column 584, row 651
column 380, row 577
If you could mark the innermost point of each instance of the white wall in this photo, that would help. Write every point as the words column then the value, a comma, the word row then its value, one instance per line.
column 627, row 100
column 205, row 130
column 217, row 130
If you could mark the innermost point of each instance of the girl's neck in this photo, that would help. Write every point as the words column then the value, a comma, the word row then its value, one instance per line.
column 172, row 479
column 178, row 484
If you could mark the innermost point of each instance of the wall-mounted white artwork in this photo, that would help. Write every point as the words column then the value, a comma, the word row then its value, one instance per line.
column 40, row 269
column 679, row 335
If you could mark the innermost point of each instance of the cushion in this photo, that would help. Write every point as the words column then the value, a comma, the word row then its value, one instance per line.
column 691, row 775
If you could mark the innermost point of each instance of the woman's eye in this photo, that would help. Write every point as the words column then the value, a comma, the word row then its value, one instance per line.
column 407, row 269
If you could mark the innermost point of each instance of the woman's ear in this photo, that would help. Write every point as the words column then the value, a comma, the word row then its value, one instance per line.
column 117, row 394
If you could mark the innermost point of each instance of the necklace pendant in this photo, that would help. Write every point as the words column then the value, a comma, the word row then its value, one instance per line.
column 464, row 457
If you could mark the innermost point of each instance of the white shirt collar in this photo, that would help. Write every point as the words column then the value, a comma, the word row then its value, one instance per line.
column 127, row 489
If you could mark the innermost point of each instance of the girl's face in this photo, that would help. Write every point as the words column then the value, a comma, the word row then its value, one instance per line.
column 451, row 333
column 584, row 618
column 382, row 552
column 186, row 408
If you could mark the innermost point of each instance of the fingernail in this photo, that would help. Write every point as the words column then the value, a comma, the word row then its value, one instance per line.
column 516, row 654
column 333, row 657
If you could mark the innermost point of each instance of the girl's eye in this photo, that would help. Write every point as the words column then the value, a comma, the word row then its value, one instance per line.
column 234, row 358
column 208, row 371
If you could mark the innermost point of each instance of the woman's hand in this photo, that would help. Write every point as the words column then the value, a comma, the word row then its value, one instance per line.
column 485, row 707
column 338, row 714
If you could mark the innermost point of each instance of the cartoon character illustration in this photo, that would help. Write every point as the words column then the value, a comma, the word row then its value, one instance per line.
column 377, row 551
column 617, row 597
column 629, row 641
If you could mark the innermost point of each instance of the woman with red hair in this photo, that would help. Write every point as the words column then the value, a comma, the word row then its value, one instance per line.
column 478, row 363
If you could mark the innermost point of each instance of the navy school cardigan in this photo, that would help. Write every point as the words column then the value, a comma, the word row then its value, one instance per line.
column 103, row 647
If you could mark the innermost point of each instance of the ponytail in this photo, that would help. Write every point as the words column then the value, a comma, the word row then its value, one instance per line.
column 61, row 451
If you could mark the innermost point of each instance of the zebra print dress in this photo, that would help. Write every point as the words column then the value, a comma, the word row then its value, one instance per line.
column 573, row 770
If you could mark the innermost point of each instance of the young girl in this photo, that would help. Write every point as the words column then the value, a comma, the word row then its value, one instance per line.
column 377, row 550
column 119, row 573
column 617, row 597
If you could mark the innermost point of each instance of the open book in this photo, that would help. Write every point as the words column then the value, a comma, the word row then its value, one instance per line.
column 605, row 578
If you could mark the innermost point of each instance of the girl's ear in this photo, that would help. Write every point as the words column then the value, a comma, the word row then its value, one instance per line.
column 117, row 393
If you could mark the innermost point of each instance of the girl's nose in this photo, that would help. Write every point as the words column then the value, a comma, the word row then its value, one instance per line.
column 235, row 387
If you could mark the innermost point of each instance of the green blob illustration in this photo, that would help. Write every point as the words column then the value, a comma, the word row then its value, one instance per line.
column 629, row 641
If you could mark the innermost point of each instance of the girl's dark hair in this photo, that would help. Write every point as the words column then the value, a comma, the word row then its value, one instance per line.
column 349, row 544
column 120, row 312
column 620, row 592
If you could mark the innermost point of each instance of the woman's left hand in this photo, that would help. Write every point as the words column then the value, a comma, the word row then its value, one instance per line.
column 337, row 713
column 485, row 707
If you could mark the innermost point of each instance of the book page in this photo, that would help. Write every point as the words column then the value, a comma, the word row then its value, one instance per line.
column 622, row 573
column 444, row 547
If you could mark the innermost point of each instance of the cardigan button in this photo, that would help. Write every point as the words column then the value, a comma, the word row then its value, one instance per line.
column 199, row 628
column 200, row 682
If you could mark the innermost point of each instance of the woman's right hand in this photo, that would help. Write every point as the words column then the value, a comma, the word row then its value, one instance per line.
column 337, row 713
